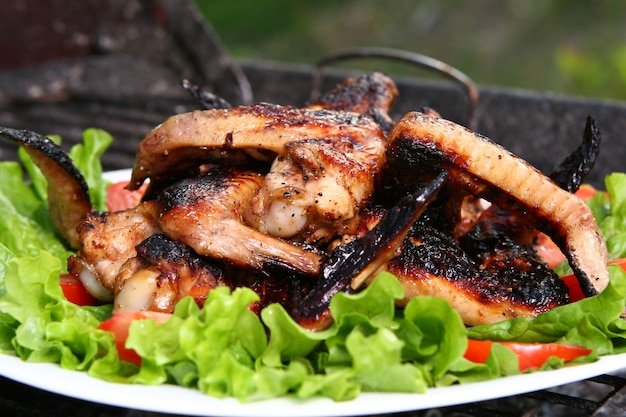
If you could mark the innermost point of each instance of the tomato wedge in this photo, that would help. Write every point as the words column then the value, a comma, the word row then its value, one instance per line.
column 119, row 198
column 621, row 262
column 119, row 324
column 533, row 355
column 529, row 355
column 575, row 293
column 478, row 350
column 548, row 250
column 75, row 291
column 586, row 191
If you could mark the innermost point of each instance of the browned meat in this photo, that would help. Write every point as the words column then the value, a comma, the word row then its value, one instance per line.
column 316, row 191
column 291, row 224
column 482, row 291
column 206, row 213
column 163, row 272
column 487, row 170
column 372, row 94
column 108, row 240
column 188, row 140
column 68, row 195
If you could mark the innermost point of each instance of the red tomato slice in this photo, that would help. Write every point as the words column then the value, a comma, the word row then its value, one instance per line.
column 533, row 355
column 529, row 355
column 75, row 291
column 548, row 250
column 575, row 293
column 119, row 198
column 119, row 324
column 478, row 350
column 585, row 191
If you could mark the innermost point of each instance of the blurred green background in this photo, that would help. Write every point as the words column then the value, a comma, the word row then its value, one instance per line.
column 575, row 47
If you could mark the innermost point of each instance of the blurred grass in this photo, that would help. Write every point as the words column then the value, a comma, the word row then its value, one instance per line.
column 575, row 47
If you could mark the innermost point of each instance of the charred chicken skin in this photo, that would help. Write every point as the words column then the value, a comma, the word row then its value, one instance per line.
column 487, row 170
column 301, row 203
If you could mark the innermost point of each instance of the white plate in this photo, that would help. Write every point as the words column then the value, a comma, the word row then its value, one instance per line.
column 182, row 401
column 117, row 175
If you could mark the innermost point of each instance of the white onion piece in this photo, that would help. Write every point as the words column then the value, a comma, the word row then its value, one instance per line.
column 137, row 292
column 93, row 286
column 285, row 219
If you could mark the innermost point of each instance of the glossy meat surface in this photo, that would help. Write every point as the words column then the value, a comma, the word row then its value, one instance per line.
column 487, row 170
column 187, row 140
column 483, row 290
column 163, row 272
column 206, row 213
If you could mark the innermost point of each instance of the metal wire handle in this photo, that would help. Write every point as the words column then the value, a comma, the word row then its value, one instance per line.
column 403, row 56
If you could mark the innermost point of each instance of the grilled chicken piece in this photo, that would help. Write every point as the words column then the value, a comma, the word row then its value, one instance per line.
column 327, row 158
column 487, row 170
column 353, row 263
column 372, row 94
column 205, row 213
column 163, row 272
column 316, row 187
column 188, row 140
column 483, row 291
column 68, row 195
column 108, row 240
column 316, row 191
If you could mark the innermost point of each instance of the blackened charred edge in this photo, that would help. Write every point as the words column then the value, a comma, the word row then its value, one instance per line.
column 571, row 173
column 204, row 97
column 375, row 89
column 430, row 253
column 585, row 281
column 29, row 139
column 348, row 260
column 158, row 249
column 189, row 190
column 293, row 116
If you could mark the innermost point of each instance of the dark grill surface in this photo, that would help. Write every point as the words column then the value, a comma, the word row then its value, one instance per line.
column 124, row 82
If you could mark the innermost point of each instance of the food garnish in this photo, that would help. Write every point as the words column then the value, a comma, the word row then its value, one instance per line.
column 322, row 250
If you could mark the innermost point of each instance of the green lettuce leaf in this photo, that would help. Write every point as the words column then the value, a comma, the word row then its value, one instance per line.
column 593, row 322
column 37, row 323
column 371, row 346
column 86, row 157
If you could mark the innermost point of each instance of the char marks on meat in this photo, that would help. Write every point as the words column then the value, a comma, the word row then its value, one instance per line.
column 372, row 94
column 487, row 170
column 185, row 141
column 206, row 213
column 482, row 291
column 163, row 272
column 301, row 203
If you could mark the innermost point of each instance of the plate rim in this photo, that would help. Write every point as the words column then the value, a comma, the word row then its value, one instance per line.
column 179, row 400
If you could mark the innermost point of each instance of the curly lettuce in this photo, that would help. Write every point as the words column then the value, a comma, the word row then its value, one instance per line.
column 37, row 323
